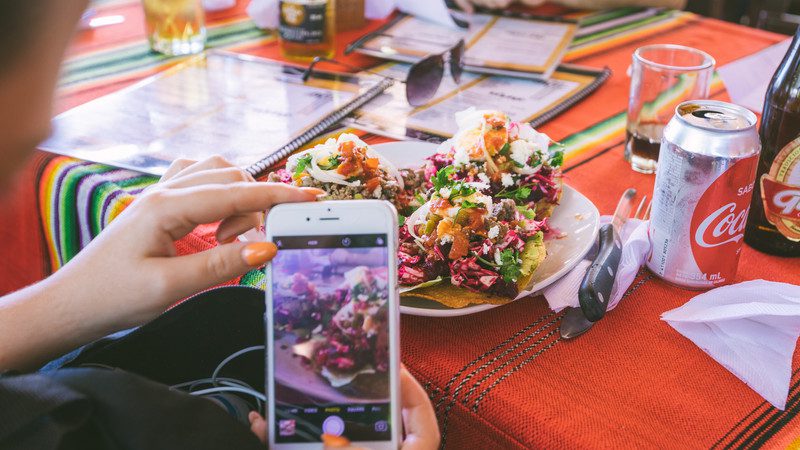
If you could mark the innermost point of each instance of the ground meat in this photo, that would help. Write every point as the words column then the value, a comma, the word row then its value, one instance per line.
column 388, row 189
column 414, row 179
column 505, row 210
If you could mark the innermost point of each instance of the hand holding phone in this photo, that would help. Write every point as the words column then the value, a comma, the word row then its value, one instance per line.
column 332, row 325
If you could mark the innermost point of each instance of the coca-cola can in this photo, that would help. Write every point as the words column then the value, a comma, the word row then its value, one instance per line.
column 704, row 181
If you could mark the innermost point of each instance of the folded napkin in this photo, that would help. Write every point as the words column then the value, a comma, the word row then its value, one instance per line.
column 635, row 247
column 264, row 13
column 217, row 5
column 750, row 328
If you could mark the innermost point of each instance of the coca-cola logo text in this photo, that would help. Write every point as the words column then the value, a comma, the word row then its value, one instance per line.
column 718, row 221
column 721, row 227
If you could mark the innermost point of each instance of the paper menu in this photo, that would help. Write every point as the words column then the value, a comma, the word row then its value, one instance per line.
column 238, row 107
column 389, row 114
column 501, row 45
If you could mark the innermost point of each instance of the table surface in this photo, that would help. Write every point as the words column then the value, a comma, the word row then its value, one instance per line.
column 498, row 379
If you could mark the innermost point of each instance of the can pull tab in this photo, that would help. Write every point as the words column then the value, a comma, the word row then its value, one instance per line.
column 712, row 115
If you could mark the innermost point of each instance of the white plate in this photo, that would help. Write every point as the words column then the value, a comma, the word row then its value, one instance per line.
column 575, row 217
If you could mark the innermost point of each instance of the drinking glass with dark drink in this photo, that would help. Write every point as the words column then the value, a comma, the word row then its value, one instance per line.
column 662, row 76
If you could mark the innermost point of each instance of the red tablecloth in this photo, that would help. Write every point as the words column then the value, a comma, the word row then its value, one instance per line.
column 503, row 378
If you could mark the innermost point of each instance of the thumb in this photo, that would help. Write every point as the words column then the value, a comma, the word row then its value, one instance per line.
column 192, row 273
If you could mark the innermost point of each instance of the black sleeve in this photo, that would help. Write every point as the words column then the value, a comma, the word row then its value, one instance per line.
column 111, row 409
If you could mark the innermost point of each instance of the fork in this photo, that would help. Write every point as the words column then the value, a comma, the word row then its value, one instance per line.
column 575, row 322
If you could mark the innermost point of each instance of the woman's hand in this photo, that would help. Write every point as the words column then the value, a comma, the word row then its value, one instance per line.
column 131, row 272
column 419, row 420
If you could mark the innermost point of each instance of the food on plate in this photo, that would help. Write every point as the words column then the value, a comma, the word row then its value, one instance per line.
column 341, row 335
column 472, row 216
column 463, row 237
column 345, row 167
column 511, row 157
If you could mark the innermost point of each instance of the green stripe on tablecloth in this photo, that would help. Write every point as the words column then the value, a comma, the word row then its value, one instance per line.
column 68, row 209
column 255, row 278
column 139, row 56
column 107, row 189
column 587, row 135
column 622, row 28
column 605, row 16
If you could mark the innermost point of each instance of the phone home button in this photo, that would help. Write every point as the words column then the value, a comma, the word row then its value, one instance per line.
column 333, row 425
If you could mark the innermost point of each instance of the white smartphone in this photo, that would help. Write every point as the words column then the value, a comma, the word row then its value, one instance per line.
column 332, row 321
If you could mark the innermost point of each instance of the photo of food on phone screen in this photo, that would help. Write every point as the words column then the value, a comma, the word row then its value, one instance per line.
column 331, row 338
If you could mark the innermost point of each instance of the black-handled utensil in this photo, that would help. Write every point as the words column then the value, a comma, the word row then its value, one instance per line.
column 595, row 290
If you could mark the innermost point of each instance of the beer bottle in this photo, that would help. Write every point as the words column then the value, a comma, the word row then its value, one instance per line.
column 773, row 225
column 307, row 29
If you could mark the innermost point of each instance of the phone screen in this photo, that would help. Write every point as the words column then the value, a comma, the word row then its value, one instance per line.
column 330, row 350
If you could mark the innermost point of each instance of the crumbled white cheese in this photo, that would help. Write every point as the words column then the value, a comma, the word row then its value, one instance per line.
column 507, row 180
column 445, row 192
column 445, row 239
column 479, row 186
column 493, row 232
column 482, row 176
column 460, row 156
column 521, row 151
column 497, row 258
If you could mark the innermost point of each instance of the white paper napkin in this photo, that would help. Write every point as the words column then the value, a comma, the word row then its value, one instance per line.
column 217, row 5
column 635, row 246
column 379, row 9
column 751, row 328
column 264, row 13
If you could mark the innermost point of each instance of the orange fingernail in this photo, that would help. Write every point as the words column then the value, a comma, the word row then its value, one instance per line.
column 312, row 190
column 333, row 441
column 258, row 253
column 228, row 240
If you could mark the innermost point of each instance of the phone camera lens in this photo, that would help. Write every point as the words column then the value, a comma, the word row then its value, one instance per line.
column 308, row 219
column 346, row 242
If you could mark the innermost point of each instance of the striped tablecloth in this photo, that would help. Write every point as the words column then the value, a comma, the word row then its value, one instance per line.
column 502, row 378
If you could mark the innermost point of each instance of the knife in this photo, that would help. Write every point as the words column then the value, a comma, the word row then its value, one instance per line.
column 595, row 290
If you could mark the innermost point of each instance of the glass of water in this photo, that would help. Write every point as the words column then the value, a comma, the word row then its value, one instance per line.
column 662, row 76
column 175, row 27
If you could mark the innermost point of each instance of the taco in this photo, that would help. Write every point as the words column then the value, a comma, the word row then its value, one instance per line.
column 512, row 158
column 342, row 335
column 462, row 238
column 345, row 167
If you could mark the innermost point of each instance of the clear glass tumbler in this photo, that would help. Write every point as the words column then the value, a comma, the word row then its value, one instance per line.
column 175, row 27
column 662, row 76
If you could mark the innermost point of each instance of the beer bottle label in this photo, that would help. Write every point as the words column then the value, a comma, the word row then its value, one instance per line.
column 780, row 191
column 302, row 23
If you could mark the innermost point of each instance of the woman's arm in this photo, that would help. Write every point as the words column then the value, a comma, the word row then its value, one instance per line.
column 130, row 273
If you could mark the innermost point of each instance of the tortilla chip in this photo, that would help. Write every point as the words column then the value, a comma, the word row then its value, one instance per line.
column 456, row 297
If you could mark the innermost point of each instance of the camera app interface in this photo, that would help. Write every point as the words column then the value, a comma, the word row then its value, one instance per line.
column 331, row 338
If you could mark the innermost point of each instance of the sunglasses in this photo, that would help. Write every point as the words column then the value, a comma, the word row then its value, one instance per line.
column 424, row 76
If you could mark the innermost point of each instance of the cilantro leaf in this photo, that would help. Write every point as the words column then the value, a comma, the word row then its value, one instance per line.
column 401, row 219
column 520, row 194
column 331, row 163
column 526, row 212
column 557, row 159
column 443, row 177
column 510, row 265
column 466, row 204
column 302, row 163
column 461, row 189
